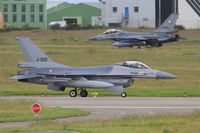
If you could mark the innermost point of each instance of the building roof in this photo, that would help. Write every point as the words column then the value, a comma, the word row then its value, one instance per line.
column 81, row 9
column 60, row 6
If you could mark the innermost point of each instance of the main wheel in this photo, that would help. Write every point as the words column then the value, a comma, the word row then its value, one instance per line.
column 84, row 93
column 160, row 45
column 73, row 93
column 123, row 94
column 155, row 44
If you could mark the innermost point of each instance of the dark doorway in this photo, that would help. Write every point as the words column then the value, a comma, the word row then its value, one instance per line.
column 164, row 8
column 114, row 25
column 71, row 21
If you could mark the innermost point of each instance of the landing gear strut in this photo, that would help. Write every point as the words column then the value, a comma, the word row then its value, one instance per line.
column 84, row 93
column 73, row 93
column 123, row 94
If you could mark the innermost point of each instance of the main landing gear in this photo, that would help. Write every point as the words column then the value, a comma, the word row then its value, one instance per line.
column 73, row 93
column 83, row 93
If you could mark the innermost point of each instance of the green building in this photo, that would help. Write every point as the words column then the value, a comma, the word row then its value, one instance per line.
column 80, row 14
column 60, row 6
column 19, row 13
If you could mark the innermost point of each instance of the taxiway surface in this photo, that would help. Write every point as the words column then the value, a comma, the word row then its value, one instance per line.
column 115, row 107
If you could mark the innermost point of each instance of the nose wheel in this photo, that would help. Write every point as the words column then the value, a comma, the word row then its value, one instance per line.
column 123, row 94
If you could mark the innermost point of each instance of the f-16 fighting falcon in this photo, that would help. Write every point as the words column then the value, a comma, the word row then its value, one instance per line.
column 40, row 69
column 164, row 34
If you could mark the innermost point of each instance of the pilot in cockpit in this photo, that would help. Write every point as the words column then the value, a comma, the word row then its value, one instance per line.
column 134, row 64
column 110, row 31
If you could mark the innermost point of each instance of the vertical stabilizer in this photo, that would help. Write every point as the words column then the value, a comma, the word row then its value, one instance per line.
column 31, row 52
column 169, row 24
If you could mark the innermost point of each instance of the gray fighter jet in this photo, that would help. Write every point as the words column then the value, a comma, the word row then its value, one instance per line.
column 40, row 69
column 164, row 34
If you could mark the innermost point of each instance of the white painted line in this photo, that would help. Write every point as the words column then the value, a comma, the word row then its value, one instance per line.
column 123, row 107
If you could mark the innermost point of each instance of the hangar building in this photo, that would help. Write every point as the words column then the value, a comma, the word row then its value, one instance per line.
column 189, row 14
column 149, row 13
column 19, row 13
column 136, row 13
column 80, row 14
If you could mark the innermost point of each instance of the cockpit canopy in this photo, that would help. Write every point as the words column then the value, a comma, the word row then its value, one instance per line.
column 134, row 64
column 110, row 31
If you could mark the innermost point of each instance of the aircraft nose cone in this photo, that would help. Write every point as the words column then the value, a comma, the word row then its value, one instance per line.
column 95, row 38
column 116, row 44
column 165, row 75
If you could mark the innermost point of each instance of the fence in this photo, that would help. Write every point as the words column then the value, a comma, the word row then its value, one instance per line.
column 189, row 24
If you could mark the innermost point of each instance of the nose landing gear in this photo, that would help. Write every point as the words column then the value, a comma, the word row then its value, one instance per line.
column 123, row 94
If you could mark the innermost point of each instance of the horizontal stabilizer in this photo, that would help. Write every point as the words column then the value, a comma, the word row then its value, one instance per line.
column 19, row 77
column 39, row 65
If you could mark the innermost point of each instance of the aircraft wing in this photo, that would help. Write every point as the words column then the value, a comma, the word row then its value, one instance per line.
column 66, row 73
column 133, row 38
column 74, row 71
column 139, row 37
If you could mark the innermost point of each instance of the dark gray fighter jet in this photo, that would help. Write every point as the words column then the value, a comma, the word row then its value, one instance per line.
column 40, row 69
column 164, row 34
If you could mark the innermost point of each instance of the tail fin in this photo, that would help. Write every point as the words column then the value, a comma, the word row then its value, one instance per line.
column 31, row 52
column 169, row 23
column 35, row 58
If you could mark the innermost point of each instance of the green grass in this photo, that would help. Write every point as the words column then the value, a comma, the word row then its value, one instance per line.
column 154, row 124
column 73, row 48
column 20, row 110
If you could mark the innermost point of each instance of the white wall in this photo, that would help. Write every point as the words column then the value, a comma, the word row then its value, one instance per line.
column 188, row 16
column 96, row 21
column 145, row 16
